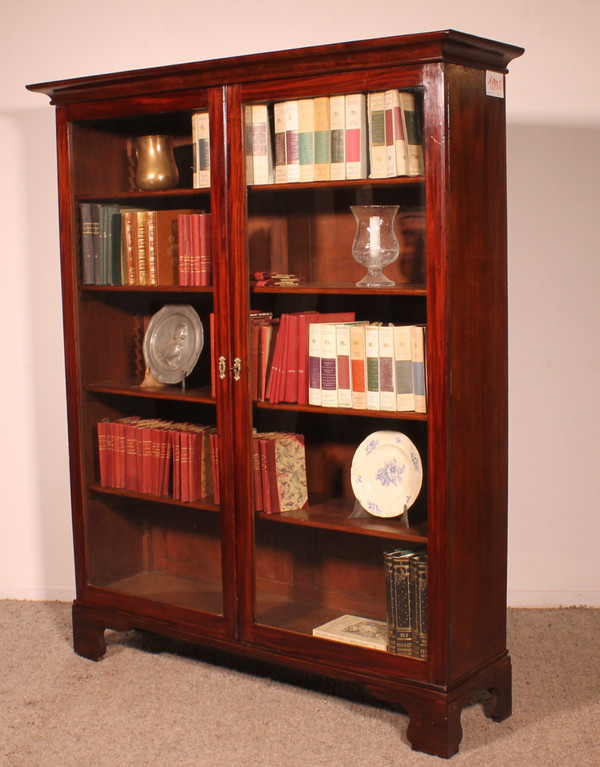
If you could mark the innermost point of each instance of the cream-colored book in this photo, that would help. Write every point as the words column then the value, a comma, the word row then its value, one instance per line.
column 372, row 352
column 322, row 139
column 306, row 139
column 356, row 136
column 292, row 146
column 201, row 140
column 387, row 372
column 328, row 354
column 280, row 153
column 248, row 145
column 390, row 149
column 314, row 364
column 358, row 365
column 405, row 392
column 377, row 147
column 399, row 132
column 337, row 114
column 352, row 629
column 262, row 154
column 412, row 132
column 419, row 361
column 344, row 370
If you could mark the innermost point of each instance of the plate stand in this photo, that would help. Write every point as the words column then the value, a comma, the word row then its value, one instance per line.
column 359, row 512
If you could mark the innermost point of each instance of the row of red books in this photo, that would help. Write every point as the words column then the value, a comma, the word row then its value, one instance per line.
column 157, row 457
column 181, row 461
column 195, row 249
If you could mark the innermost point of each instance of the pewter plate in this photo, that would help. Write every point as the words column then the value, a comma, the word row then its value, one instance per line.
column 173, row 342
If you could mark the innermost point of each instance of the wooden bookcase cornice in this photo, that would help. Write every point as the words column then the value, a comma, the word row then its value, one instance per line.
column 447, row 46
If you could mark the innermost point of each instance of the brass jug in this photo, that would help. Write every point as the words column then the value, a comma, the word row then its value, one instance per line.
column 156, row 168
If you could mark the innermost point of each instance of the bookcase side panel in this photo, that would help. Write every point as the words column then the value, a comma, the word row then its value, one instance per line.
column 478, row 341
column 70, row 298
column 438, row 362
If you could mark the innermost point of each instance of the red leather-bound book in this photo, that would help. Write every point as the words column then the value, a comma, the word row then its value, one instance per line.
column 214, row 458
column 103, row 455
column 185, row 248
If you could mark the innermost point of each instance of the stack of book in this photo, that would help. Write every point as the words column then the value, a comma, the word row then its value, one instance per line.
column 330, row 360
column 137, row 246
column 284, row 365
column 201, row 150
column 157, row 457
column 395, row 141
column 258, row 145
column 279, row 466
column 279, row 471
column 338, row 137
column 406, row 583
column 367, row 366
column 195, row 249
column 263, row 331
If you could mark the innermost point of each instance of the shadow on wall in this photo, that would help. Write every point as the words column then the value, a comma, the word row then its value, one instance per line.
column 48, row 458
column 554, row 358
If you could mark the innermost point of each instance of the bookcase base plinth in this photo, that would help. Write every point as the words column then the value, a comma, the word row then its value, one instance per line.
column 435, row 727
column 88, row 634
column 434, row 712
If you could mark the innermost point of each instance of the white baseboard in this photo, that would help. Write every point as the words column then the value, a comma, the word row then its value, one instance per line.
column 37, row 593
column 543, row 598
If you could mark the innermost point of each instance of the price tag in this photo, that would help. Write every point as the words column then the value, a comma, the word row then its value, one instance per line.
column 494, row 84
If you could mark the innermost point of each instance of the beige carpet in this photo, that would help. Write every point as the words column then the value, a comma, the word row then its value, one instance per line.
column 152, row 702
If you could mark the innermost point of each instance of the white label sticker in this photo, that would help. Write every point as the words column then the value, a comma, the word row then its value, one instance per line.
column 494, row 84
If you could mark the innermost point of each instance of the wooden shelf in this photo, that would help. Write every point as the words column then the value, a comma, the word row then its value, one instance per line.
column 390, row 414
column 342, row 184
column 168, row 589
column 300, row 615
column 206, row 504
column 131, row 387
column 345, row 288
column 146, row 289
column 334, row 514
column 139, row 195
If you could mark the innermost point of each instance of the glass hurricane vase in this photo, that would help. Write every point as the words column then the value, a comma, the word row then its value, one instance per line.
column 375, row 244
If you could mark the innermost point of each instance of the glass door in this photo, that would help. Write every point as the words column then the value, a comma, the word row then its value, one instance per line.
column 149, row 295
column 336, row 512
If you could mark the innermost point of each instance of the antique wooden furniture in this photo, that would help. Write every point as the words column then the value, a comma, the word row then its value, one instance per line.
column 221, row 574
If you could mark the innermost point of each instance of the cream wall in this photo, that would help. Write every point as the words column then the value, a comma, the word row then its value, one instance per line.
column 554, row 194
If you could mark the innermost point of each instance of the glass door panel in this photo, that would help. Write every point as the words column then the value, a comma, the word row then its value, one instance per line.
column 318, row 395
column 146, row 298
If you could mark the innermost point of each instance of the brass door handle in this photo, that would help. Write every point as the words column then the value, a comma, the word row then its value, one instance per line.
column 237, row 368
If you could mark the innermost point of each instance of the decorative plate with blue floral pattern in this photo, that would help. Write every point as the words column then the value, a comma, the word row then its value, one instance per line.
column 386, row 473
